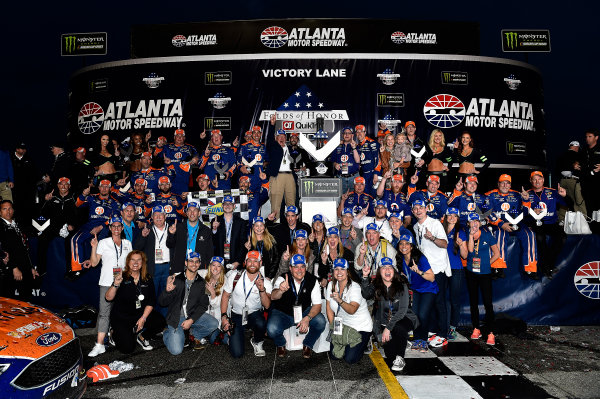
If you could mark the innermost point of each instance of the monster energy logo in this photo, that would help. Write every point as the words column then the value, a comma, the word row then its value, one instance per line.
column 209, row 123
column 309, row 187
column 70, row 44
column 446, row 77
column 511, row 147
column 210, row 77
column 511, row 40
column 382, row 98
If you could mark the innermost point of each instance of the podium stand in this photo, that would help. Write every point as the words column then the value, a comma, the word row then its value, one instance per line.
column 320, row 195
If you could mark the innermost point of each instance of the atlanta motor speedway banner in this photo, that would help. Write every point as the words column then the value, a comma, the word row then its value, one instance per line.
column 499, row 101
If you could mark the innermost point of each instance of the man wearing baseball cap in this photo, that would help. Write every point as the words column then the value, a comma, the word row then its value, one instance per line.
column 251, row 159
column 218, row 162
column 350, row 236
column 437, row 201
column 370, row 252
column 285, row 230
column 508, row 204
column 151, row 174
column 248, row 299
column 357, row 200
column 229, row 234
column 417, row 146
column 380, row 220
column 394, row 197
column 181, row 156
column 469, row 200
column 296, row 300
column 346, row 159
column 569, row 168
column 172, row 203
column 370, row 167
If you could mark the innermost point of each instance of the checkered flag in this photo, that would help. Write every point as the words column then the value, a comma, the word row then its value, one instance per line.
column 211, row 203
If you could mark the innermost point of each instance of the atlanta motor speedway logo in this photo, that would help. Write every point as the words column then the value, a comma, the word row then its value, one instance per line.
column 276, row 37
column 444, row 111
column 90, row 118
column 587, row 280
column 194, row 40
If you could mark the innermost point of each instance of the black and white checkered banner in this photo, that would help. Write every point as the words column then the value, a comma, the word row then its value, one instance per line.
column 211, row 203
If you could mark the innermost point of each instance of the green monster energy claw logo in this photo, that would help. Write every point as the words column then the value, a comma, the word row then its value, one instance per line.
column 209, row 123
column 511, row 147
column 309, row 187
column 446, row 77
column 511, row 40
column 70, row 44
column 210, row 77
column 382, row 98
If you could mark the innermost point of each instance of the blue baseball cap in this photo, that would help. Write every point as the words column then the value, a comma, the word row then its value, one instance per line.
column 258, row 219
column 333, row 231
column 418, row 203
column 125, row 205
column 193, row 255
column 395, row 215
column 116, row 219
column 407, row 237
column 281, row 132
column 292, row 209
column 474, row 216
column 380, row 203
column 298, row 260
column 228, row 198
column 340, row 262
column 193, row 204
column 386, row 262
column 158, row 209
column 347, row 128
column 300, row 234
column 452, row 211
column 372, row 226
column 318, row 218
column 217, row 259
column 348, row 211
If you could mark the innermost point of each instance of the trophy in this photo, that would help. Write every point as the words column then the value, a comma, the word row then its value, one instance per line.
column 322, row 150
column 249, row 165
column 221, row 169
column 418, row 155
column 513, row 221
column 538, row 218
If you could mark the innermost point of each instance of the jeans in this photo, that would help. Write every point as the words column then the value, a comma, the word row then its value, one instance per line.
column 256, row 322
column 422, row 306
column 279, row 322
column 348, row 183
column 440, row 305
column 397, row 345
column 161, row 272
column 354, row 354
column 174, row 338
column 480, row 282
column 455, row 284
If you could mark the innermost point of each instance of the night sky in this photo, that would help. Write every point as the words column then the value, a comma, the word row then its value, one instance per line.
column 36, row 76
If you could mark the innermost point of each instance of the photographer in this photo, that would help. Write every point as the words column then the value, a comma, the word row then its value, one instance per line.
column 248, row 298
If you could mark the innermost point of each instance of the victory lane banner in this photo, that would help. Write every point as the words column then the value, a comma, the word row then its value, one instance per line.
column 499, row 101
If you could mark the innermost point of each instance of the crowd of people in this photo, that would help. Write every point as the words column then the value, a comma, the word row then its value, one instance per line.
column 413, row 229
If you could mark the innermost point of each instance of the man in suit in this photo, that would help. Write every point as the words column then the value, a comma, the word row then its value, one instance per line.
column 285, row 231
column 279, row 170
column 229, row 234
column 187, row 237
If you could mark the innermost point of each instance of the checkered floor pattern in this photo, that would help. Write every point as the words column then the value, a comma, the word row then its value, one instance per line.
column 463, row 369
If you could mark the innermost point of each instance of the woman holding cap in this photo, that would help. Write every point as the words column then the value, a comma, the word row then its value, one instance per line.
column 394, row 317
column 330, row 252
column 133, row 298
column 262, row 241
column 348, row 315
column 466, row 155
column 299, row 247
column 456, row 236
column 113, row 252
column 480, row 250
column 416, row 268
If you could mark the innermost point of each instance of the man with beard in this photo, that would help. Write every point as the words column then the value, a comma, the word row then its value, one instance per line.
column 170, row 202
column 437, row 202
column 181, row 157
column 251, row 159
column 380, row 220
column 370, row 252
column 358, row 199
column 150, row 174
column 394, row 197
column 218, row 162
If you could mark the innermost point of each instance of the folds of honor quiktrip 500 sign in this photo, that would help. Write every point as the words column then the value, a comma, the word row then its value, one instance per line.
column 522, row 41
column 83, row 44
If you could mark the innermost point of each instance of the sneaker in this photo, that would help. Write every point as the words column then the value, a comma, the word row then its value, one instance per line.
column 491, row 339
column 437, row 342
column 453, row 335
column 476, row 334
column 111, row 341
column 369, row 348
column 423, row 347
column 416, row 344
column 200, row 344
column 398, row 364
column 144, row 343
column 258, row 348
column 98, row 349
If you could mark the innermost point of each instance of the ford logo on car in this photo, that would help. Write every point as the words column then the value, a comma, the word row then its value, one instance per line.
column 48, row 339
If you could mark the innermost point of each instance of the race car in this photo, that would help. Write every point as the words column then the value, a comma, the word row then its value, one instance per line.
column 40, row 356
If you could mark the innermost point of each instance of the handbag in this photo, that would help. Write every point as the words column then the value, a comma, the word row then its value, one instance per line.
column 575, row 223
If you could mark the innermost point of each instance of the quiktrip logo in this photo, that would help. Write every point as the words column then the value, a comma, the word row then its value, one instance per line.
column 219, row 101
column 90, row 118
column 414, row 38
column 194, row 40
column 276, row 37
column 512, row 82
column 153, row 80
column 444, row 110
column 587, row 280
column 388, row 77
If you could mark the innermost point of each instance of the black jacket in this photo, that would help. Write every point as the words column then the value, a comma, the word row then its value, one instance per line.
column 400, row 304
column 283, row 234
column 61, row 211
column 15, row 243
column 270, row 260
column 197, row 303
column 239, row 236
column 148, row 245
column 177, row 244
column 275, row 152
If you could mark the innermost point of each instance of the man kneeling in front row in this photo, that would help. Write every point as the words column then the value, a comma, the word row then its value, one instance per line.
column 296, row 301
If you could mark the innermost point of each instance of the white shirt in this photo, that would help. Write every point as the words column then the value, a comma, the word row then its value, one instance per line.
column 214, row 308
column 385, row 231
column 437, row 257
column 285, row 161
column 160, row 242
column 111, row 258
column 238, row 296
column 315, row 294
column 361, row 319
